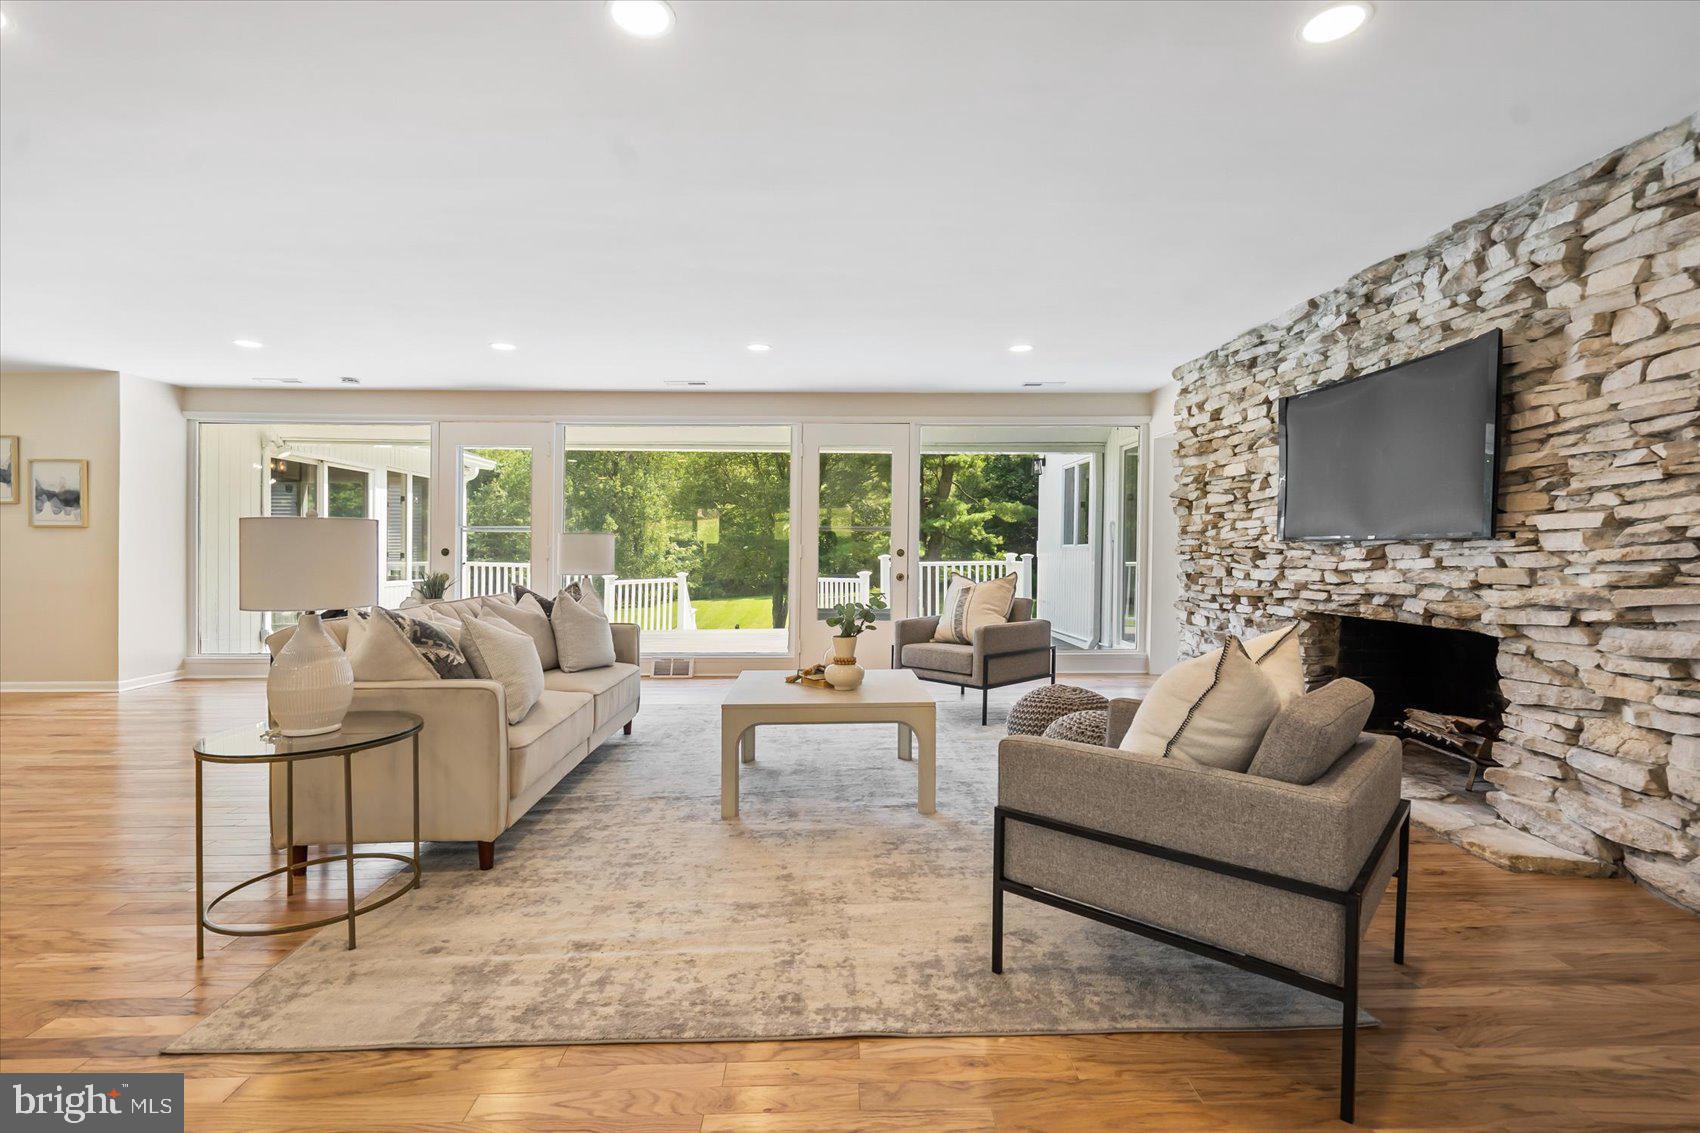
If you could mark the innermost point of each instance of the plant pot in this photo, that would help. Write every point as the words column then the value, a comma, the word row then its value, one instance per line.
column 843, row 673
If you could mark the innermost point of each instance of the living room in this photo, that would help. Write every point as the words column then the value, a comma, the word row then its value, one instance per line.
column 772, row 566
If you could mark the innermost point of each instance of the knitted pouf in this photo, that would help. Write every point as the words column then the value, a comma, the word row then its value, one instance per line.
column 1088, row 727
column 1034, row 712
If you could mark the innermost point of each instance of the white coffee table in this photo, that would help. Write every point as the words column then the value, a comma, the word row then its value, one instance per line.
column 887, row 696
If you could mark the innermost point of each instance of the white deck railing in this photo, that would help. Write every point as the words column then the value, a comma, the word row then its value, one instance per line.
column 665, row 603
column 480, row 579
column 834, row 591
column 935, row 574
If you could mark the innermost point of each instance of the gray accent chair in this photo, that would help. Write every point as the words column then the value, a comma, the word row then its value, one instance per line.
column 1019, row 650
column 1273, row 876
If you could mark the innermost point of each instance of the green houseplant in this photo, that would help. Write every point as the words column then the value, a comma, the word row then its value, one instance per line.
column 433, row 586
column 851, row 620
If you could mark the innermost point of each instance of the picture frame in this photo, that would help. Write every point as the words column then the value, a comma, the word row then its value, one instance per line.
column 59, row 492
column 10, row 451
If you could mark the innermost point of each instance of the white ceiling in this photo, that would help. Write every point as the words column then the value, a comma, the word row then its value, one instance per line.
column 889, row 193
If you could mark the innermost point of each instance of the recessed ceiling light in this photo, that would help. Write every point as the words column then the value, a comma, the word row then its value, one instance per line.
column 1037, row 385
column 278, row 382
column 1335, row 23
column 758, row 348
column 1022, row 348
column 683, row 382
column 645, row 19
column 248, row 344
column 503, row 346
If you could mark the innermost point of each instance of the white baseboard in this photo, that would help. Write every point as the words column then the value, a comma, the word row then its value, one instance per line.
column 225, row 668
column 145, row 682
column 129, row 685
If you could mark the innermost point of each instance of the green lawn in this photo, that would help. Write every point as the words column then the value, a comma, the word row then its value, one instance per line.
column 734, row 613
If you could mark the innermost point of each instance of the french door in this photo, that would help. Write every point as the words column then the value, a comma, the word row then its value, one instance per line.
column 494, row 507
column 855, row 532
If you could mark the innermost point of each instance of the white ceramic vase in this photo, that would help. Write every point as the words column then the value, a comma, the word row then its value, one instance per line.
column 311, row 683
column 843, row 673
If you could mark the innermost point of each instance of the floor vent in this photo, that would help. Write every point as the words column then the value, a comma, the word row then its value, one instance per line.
column 672, row 666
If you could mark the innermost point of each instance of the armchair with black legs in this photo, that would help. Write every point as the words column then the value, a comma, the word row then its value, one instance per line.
column 1005, row 653
column 1275, row 876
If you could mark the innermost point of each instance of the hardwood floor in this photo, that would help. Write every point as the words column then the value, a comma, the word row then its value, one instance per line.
column 1528, row 1002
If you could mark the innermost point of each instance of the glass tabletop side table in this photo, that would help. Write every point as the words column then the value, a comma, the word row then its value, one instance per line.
column 360, row 731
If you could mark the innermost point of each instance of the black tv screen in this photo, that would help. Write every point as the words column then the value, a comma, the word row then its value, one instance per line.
column 1404, row 453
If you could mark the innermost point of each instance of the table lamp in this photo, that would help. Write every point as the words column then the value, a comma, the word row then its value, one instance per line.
column 586, row 553
column 308, row 565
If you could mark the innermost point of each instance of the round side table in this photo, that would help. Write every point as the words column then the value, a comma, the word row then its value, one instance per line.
column 360, row 731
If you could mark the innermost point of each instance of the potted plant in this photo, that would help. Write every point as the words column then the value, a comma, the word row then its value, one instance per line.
column 433, row 586
column 851, row 619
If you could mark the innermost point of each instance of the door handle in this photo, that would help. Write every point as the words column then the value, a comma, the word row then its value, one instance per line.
column 900, row 552
column 898, row 577
column 444, row 551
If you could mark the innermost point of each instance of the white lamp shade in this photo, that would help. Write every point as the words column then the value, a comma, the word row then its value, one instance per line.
column 586, row 552
column 307, row 564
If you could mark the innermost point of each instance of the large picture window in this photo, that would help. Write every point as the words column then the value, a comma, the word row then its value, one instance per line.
column 702, row 522
column 1048, row 503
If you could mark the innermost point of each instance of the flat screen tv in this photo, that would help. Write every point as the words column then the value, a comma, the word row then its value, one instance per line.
column 1404, row 453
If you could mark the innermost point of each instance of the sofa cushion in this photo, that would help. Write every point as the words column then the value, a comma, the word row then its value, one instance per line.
column 529, row 616
column 583, row 638
column 522, row 592
column 1211, row 710
column 583, row 592
column 968, row 605
column 386, row 646
column 1312, row 732
column 615, row 688
column 1277, row 654
column 940, row 657
column 558, row 724
column 499, row 652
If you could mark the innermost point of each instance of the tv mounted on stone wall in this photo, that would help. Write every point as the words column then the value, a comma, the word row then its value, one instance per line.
column 1408, row 452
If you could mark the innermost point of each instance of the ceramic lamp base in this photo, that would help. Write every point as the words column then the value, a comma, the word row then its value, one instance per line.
column 311, row 683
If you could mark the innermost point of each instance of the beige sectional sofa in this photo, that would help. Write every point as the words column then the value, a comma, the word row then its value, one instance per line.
column 478, row 774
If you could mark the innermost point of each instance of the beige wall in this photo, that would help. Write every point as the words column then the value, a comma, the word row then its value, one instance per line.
column 153, row 538
column 59, row 586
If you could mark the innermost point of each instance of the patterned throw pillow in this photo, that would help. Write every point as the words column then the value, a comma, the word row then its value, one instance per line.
column 1211, row 710
column 968, row 605
column 430, row 642
column 520, row 592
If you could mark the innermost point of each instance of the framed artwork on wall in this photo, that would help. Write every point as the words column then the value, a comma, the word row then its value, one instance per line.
column 9, row 464
column 59, row 493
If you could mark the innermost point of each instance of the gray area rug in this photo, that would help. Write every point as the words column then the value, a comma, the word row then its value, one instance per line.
column 622, row 909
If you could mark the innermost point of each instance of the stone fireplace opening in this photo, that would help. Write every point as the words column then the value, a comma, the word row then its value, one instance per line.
column 1451, row 671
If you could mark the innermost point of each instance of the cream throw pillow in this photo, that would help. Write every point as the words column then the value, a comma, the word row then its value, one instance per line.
column 583, row 637
column 503, row 653
column 1211, row 710
column 528, row 615
column 968, row 605
column 379, row 651
column 1277, row 654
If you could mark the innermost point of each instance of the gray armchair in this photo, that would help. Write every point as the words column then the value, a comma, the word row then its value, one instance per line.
column 1277, row 877
column 1017, row 650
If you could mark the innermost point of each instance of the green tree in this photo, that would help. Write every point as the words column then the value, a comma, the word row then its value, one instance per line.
column 979, row 505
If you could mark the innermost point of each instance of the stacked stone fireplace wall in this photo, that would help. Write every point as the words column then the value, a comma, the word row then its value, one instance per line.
column 1592, row 583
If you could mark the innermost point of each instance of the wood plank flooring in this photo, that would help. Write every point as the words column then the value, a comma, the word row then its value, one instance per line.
column 1528, row 1003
